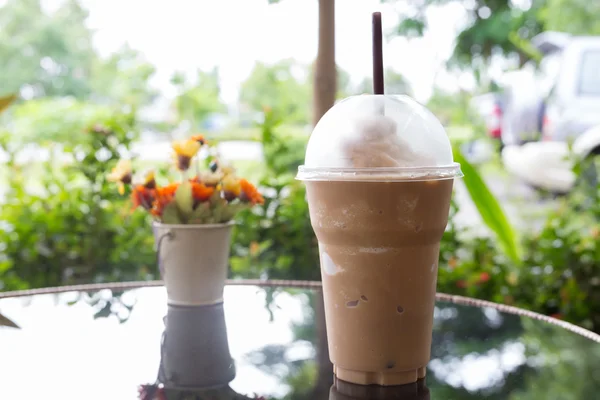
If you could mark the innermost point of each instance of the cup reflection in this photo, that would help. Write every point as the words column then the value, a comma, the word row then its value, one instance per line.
column 348, row 391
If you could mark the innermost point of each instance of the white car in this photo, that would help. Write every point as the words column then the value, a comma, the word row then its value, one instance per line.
column 571, row 115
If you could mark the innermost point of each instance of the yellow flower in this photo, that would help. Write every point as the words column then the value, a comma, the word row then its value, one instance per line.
column 231, row 187
column 185, row 150
column 149, row 180
column 121, row 173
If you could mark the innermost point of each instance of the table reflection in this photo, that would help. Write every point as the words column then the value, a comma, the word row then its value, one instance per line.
column 477, row 352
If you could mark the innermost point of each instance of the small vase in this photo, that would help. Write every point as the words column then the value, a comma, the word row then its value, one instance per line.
column 193, row 261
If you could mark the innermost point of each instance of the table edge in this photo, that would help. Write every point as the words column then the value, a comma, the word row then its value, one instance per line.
column 292, row 284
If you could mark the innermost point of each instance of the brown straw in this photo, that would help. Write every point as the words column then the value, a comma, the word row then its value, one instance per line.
column 377, row 54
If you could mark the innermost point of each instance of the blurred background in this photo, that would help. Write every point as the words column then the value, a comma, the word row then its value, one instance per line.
column 516, row 83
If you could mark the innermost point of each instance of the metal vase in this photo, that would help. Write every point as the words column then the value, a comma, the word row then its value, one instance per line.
column 193, row 260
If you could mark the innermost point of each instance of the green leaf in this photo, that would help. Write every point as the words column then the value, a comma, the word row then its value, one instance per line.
column 6, row 101
column 230, row 210
column 184, row 199
column 215, row 198
column 411, row 27
column 525, row 47
column 490, row 210
column 171, row 214
column 200, row 214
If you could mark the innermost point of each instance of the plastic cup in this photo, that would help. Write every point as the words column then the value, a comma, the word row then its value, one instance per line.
column 379, row 175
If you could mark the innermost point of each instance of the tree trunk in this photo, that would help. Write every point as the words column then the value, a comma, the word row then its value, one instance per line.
column 325, row 75
column 324, row 91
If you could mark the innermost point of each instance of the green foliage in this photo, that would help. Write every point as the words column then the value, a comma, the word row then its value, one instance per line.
column 276, row 240
column 558, row 272
column 198, row 100
column 344, row 84
column 504, row 26
column 473, row 266
column 490, row 210
column 487, row 36
column 525, row 47
column 49, row 53
column 411, row 27
column 488, row 31
column 395, row 83
column 63, row 223
column 283, row 87
column 564, row 255
column 578, row 17
column 58, row 120
column 451, row 108
column 123, row 79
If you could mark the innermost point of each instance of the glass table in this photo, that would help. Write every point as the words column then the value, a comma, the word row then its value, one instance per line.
column 103, row 344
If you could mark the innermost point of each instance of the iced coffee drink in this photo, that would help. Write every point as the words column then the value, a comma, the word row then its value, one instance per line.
column 379, row 175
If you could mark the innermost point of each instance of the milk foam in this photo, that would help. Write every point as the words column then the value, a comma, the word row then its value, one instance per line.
column 378, row 132
column 374, row 143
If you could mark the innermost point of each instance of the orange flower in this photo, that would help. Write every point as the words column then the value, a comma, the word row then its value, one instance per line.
column 164, row 196
column 250, row 193
column 142, row 196
column 200, row 139
column 201, row 192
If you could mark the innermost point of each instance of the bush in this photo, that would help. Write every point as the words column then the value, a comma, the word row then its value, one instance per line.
column 276, row 241
column 558, row 274
column 563, row 260
column 54, row 120
column 63, row 223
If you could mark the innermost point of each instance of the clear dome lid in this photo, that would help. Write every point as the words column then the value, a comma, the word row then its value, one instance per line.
column 378, row 137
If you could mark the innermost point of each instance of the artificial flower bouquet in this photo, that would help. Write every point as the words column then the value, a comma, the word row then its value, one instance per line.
column 213, row 194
